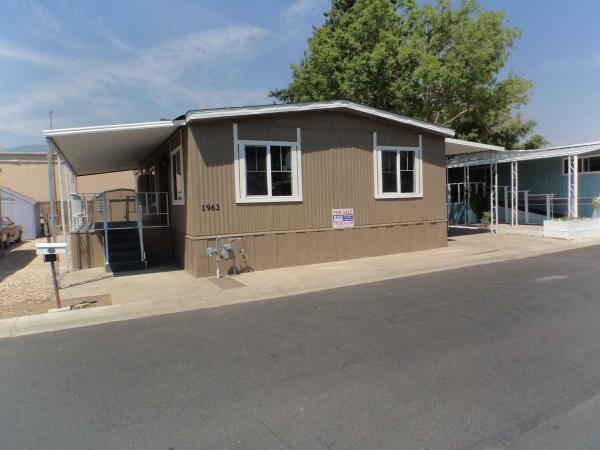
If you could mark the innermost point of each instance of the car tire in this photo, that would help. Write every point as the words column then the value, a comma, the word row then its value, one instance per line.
column 20, row 237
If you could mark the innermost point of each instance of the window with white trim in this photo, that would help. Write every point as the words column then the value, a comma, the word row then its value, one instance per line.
column 268, row 171
column 177, row 178
column 398, row 172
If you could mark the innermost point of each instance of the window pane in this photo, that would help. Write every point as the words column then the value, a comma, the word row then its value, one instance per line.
column 281, row 158
column 281, row 171
column 407, row 160
column 256, row 170
column 176, row 176
column 281, row 184
column 389, row 173
column 407, row 181
column 594, row 164
column 407, row 174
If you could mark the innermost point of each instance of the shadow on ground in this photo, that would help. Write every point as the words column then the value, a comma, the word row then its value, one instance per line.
column 465, row 231
column 14, row 260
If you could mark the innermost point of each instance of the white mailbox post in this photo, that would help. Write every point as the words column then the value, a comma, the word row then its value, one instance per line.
column 50, row 250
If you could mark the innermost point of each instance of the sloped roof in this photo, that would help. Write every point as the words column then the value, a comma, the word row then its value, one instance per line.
column 243, row 111
column 18, row 194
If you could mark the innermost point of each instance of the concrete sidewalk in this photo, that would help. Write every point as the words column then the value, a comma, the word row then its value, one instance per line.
column 169, row 291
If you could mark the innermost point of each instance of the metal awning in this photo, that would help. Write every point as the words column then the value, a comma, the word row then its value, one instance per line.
column 482, row 158
column 111, row 148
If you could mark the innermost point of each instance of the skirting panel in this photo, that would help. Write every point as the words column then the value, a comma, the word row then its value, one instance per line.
column 285, row 249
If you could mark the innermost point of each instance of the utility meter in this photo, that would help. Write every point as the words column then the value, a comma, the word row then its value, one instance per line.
column 227, row 251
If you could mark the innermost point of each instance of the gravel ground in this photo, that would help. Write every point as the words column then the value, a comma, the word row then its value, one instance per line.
column 25, row 281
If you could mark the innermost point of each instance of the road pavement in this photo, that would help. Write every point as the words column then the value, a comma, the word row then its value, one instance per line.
column 499, row 356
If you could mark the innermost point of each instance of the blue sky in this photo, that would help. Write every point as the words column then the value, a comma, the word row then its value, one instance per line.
column 100, row 62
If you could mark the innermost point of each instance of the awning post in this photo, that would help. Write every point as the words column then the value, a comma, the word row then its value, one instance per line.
column 514, row 187
column 494, row 197
column 573, row 189
column 467, row 193
column 51, row 192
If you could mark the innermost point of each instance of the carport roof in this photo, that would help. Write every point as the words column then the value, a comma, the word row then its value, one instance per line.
column 113, row 148
column 481, row 158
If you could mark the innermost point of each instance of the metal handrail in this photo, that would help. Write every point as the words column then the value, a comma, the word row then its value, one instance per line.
column 105, row 215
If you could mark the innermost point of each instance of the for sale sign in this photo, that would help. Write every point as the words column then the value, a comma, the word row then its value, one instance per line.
column 342, row 218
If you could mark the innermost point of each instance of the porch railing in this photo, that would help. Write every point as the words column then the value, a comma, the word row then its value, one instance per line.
column 119, row 210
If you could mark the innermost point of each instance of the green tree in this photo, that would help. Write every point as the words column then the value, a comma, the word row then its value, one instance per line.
column 433, row 62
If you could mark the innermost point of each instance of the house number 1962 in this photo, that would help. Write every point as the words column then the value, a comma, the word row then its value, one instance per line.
column 207, row 207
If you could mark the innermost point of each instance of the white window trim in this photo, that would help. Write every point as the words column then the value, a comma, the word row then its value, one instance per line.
column 175, row 201
column 580, row 172
column 239, row 163
column 377, row 175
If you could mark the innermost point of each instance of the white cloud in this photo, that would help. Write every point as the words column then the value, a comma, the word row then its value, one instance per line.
column 17, row 53
column 300, row 9
column 88, row 84
column 588, row 63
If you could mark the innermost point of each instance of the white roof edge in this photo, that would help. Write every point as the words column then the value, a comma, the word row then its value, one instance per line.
column 561, row 146
column 524, row 155
column 475, row 144
column 316, row 106
column 116, row 127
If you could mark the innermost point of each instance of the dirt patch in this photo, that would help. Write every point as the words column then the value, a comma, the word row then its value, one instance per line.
column 25, row 281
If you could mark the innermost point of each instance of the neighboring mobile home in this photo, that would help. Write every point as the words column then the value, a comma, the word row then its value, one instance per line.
column 299, row 184
column 542, row 184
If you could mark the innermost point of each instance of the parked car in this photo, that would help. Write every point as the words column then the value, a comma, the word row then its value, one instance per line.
column 11, row 232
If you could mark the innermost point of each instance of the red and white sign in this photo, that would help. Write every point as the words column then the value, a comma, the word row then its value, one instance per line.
column 342, row 218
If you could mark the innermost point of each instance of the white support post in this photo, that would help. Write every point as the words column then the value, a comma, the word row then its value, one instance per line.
column 514, row 188
column 51, row 192
column 506, row 210
column 573, row 180
column 467, row 194
column 548, row 215
column 494, row 197
column 63, row 217
column 105, row 225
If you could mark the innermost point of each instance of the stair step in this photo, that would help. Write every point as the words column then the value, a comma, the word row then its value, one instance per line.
column 117, row 256
column 124, row 246
column 122, row 266
column 122, row 237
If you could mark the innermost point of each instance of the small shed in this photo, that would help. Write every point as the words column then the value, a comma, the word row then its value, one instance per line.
column 22, row 210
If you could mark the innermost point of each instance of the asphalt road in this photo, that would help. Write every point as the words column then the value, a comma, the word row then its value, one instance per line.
column 499, row 356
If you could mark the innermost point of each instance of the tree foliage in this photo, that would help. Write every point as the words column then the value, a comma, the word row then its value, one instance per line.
column 441, row 64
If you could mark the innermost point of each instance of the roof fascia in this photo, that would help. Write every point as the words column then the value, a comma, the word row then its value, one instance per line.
column 274, row 109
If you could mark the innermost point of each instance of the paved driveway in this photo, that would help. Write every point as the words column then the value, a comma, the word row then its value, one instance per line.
column 494, row 356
